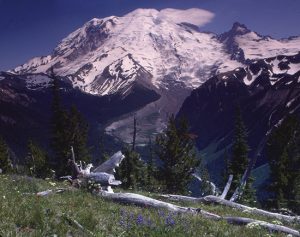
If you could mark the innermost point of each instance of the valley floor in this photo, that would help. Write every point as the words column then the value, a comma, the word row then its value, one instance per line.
column 79, row 213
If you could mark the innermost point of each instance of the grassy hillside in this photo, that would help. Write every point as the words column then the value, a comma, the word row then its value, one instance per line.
column 24, row 214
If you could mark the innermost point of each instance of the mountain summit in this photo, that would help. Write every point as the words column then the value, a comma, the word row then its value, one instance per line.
column 161, row 53
column 157, row 43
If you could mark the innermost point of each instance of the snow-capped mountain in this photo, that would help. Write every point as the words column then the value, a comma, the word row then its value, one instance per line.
column 245, row 44
column 266, row 90
column 151, row 51
column 140, row 40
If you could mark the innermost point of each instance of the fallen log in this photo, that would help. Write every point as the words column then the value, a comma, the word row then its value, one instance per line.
column 217, row 200
column 143, row 201
column 103, row 174
column 252, row 222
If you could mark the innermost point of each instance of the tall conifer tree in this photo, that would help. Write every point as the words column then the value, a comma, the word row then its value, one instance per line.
column 239, row 161
column 175, row 149
column 68, row 129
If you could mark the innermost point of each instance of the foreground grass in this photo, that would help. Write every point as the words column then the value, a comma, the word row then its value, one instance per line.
column 24, row 214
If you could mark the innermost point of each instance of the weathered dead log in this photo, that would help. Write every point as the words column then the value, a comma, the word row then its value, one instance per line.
column 110, row 165
column 102, row 175
column 227, row 187
column 104, row 179
column 180, row 198
column 217, row 200
column 252, row 222
column 143, row 201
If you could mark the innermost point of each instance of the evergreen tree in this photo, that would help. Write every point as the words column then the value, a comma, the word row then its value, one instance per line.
column 68, row 129
column 103, row 151
column 151, row 170
column 59, row 142
column 131, row 170
column 239, row 161
column 175, row 149
column 293, row 188
column 225, row 173
column 249, row 193
column 5, row 161
column 283, row 154
column 36, row 161
column 202, row 172
column 132, row 167
column 78, row 134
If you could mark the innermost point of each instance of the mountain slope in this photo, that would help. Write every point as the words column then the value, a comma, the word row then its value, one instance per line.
column 246, row 45
column 266, row 90
column 160, row 47
column 115, row 56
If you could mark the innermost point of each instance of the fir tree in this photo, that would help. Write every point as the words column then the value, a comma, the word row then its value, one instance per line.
column 5, row 161
column 293, row 188
column 202, row 172
column 68, row 129
column 282, row 150
column 239, row 160
column 132, row 167
column 36, row 161
column 78, row 134
column 59, row 142
column 151, row 170
column 225, row 173
column 175, row 149
column 131, row 170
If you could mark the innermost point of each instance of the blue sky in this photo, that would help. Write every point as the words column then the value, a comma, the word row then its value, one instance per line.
column 34, row 27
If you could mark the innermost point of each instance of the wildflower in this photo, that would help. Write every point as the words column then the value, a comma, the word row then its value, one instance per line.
column 52, row 184
column 4, row 197
column 161, row 213
column 169, row 221
column 140, row 220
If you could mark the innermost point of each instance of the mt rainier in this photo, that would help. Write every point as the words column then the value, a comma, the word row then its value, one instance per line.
column 150, row 51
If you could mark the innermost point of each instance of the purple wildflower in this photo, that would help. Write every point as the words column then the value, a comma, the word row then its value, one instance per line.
column 161, row 213
column 140, row 219
column 169, row 221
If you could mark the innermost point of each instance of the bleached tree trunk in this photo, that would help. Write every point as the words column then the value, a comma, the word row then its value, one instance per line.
column 252, row 222
column 143, row 201
column 217, row 200
column 103, row 178
column 227, row 187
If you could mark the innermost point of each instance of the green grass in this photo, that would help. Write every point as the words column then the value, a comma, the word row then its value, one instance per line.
column 24, row 214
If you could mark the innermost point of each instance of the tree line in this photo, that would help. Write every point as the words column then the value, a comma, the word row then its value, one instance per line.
column 172, row 157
